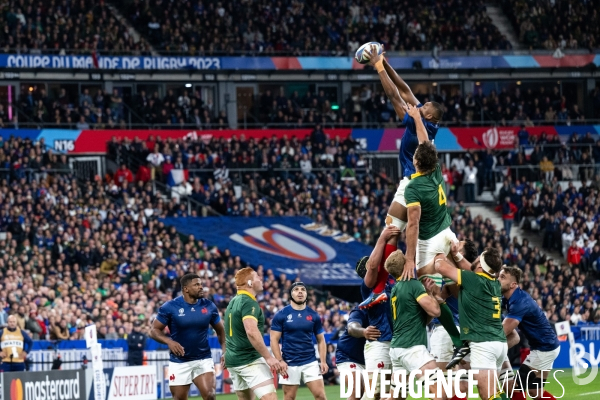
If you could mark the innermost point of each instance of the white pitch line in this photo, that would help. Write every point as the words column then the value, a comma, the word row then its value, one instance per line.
column 587, row 394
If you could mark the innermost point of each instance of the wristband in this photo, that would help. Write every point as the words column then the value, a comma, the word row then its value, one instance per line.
column 379, row 66
column 458, row 257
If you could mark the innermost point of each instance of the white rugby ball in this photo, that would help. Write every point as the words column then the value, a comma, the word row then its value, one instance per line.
column 362, row 56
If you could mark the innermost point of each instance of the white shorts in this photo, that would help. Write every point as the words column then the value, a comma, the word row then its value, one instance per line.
column 305, row 373
column 442, row 348
column 350, row 366
column 250, row 375
column 377, row 356
column 410, row 359
column 488, row 355
column 439, row 244
column 181, row 374
column 542, row 360
column 399, row 195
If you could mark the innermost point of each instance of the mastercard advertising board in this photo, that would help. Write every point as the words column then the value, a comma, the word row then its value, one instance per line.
column 44, row 385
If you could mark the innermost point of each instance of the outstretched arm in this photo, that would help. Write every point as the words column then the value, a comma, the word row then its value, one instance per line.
column 377, row 254
column 402, row 87
column 390, row 89
column 415, row 114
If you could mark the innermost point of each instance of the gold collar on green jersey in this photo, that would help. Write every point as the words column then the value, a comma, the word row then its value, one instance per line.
column 247, row 294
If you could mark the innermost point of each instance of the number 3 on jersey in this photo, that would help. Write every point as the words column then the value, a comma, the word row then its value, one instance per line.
column 442, row 195
column 496, row 302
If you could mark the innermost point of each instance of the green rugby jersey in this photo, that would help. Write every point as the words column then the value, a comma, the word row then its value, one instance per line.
column 428, row 192
column 479, row 304
column 410, row 320
column 238, row 349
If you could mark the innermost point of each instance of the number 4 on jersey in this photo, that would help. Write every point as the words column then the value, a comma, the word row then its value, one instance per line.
column 442, row 195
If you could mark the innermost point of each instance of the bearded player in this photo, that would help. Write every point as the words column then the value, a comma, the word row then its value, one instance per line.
column 525, row 313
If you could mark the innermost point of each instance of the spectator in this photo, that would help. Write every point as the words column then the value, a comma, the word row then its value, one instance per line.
column 508, row 210
column 155, row 159
column 574, row 254
column 123, row 174
column 470, row 180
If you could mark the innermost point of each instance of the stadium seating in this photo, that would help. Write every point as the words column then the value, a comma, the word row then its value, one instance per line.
column 358, row 207
column 78, row 27
column 311, row 28
column 550, row 25
column 98, row 110
column 109, row 261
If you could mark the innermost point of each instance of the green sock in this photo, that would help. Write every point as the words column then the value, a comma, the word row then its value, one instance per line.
column 447, row 322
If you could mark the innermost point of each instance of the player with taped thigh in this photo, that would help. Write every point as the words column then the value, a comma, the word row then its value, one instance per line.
column 247, row 358
column 421, row 126
column 480, row 317
column 412, row 309
column 294, row 327
column 377, row 349
column 189, row 318
column 350, row 351
column 525, row 313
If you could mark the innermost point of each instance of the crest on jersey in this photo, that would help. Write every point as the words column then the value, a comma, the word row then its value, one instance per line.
column 466, row 330
column 285, row 242
column 289, row 317
column 181, row 312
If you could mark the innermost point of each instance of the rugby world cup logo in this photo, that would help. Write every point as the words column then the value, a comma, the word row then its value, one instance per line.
column 490, row 138
column 279, row 240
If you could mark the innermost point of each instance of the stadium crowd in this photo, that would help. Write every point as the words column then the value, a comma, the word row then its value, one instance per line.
column 287, row 27
column 555, row 24
column 79, row 252
column 66, row 27
column 510, row 106
column 366, row 106
column 312, row 28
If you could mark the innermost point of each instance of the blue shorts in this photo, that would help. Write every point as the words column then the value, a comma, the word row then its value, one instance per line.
column 12, row 367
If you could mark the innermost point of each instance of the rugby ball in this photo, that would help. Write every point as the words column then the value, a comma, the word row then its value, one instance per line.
column 362, row 54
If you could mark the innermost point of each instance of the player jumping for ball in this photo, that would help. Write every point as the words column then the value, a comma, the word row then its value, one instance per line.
column 429, row 115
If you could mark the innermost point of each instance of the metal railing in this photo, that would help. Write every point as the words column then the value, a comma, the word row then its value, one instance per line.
column 590, row 333
column 30, row 124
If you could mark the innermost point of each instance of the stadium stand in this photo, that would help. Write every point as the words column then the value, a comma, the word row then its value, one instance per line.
column 311, row 28
column 367, row 106
column 77, row 27
column 550, row 25
column 358, row 207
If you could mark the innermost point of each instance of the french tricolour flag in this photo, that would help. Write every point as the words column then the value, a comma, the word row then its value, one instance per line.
column 177, row 177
